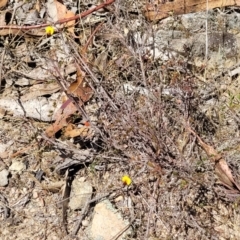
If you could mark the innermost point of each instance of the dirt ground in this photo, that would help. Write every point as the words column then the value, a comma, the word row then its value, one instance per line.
column 115, row 94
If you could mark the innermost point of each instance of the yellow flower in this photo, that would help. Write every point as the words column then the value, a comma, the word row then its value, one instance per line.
column 49, row 30
column 126, row 180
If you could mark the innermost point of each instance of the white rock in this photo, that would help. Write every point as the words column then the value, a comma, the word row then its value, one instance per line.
column 80, row 194
column 85, row 223
column 41, row 108
column 119, row 199
column 23, row 82
column 4, row 178
column 107, row 222
column 17, row 166
column 34, row 194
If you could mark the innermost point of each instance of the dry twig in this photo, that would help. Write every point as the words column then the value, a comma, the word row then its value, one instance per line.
column 61, row 21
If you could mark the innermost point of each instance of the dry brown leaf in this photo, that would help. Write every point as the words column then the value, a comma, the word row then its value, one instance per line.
column 80, row 87
column 224, row 173
column 69, row 25
column 61, row 118
column 75, row 85
column 221, row 167
column 71, row 131
column 57, row 11
column 3, row 3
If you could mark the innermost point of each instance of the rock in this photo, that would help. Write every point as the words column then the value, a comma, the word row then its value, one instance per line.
column 3, row 149
column 47, row 106
column 4, row 178
column 107, row 223
column 80, row 194
column 23, row 82
column 17, row 166
column 85, row 223
column 187, row 38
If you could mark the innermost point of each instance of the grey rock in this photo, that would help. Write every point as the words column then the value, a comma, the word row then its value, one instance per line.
column 80, row 193
column 107, row 222
column 4, row 178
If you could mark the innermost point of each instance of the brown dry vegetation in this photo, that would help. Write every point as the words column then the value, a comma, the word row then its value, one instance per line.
column 141, row 113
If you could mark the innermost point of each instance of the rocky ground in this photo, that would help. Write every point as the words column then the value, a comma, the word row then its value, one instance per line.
column 111, row 95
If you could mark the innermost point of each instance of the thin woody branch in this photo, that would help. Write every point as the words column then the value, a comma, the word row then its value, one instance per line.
column 61, row 21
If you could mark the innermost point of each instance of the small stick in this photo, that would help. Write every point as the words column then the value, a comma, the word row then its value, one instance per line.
column 22, row 151
column 1, row 66
column 91, row 37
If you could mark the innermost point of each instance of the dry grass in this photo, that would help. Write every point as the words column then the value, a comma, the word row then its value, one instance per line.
column 144, row 106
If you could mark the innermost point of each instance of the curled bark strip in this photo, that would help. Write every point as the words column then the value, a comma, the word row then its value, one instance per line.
column 156, row 10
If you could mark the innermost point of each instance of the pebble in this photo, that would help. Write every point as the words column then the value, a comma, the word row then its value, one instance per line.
column 85, row 223
column 17, row 166
column 4, row 178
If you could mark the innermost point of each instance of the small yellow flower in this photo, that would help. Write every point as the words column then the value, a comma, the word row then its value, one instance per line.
column 49, row 30
column 126, row 180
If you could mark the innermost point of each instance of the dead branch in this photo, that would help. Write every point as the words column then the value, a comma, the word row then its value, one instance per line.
column 61, row 21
